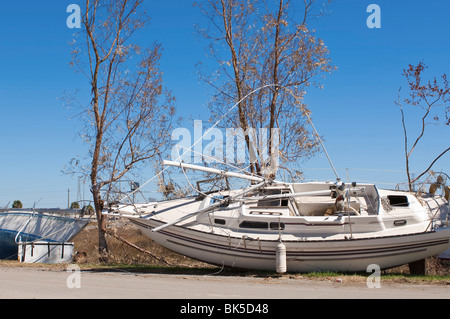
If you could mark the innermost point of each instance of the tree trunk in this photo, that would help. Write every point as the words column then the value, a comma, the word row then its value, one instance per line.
column 117, row 107
column 101, row 223
column 98, row 204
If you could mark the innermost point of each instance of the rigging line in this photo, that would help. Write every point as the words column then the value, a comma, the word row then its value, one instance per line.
column 201, row 138
column 190, row 185
column 317, row 134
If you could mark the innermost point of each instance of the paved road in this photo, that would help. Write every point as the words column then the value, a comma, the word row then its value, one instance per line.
column 24, row 283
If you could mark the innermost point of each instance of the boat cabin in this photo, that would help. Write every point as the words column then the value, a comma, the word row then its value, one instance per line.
column 313, row 199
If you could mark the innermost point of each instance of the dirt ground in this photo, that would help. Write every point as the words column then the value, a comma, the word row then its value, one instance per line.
column 86, row 246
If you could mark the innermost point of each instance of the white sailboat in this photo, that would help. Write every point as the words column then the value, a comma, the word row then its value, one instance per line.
column 298, row 227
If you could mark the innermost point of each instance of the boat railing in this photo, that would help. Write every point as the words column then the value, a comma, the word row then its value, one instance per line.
column 435, row 182
column 437, row 186
column 436, row 222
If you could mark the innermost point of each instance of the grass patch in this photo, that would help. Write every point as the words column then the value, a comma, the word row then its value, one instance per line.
column 427, row 279
column 385, row 277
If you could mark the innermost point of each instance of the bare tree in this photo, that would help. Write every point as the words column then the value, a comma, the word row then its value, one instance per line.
column 433, row 100
column 265, row 48
column 129, row 117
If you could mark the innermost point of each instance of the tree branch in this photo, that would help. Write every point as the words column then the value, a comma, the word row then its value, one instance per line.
column 123, row 240
column 431, row 165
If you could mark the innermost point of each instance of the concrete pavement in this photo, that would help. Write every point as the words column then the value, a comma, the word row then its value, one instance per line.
column 25, row 283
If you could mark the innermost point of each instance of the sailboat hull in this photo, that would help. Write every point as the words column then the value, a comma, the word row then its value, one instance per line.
column 349, row 255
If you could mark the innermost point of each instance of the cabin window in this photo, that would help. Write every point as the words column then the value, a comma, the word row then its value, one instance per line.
column 219, row 221
column 269, row 203
column 274, row 202
column 276, row 226
column 398, row 200
column 253, row 224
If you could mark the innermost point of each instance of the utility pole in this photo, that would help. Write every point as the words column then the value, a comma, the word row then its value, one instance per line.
column 68, row 198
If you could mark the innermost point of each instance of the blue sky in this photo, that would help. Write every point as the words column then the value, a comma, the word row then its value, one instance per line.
column 355, row 110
